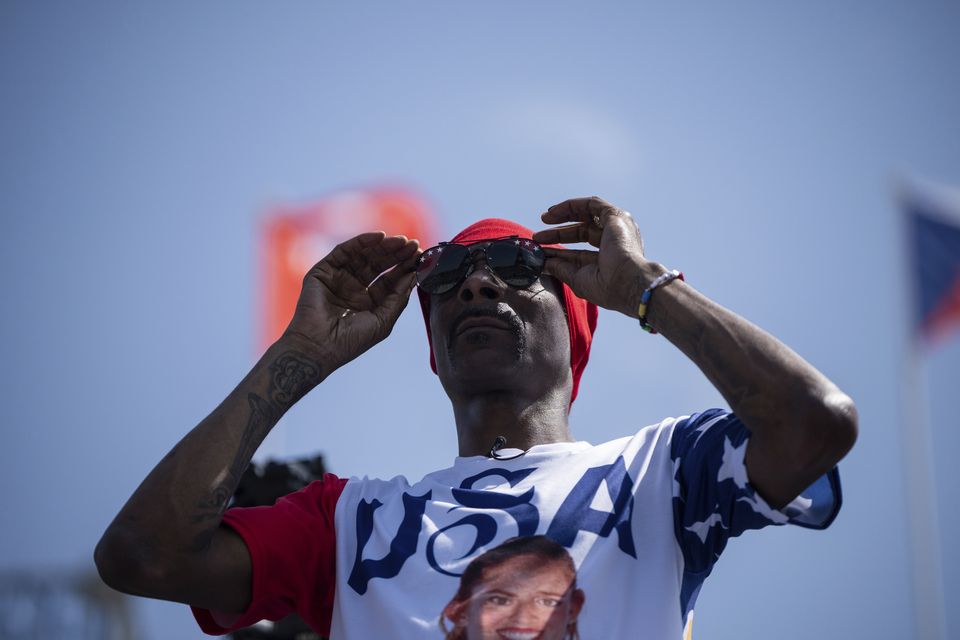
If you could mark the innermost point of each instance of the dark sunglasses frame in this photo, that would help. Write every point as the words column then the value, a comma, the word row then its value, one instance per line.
column 522, row 270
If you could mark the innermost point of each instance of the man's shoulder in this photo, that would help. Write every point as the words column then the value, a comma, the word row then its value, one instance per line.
column 375, row 486
column 651, row 434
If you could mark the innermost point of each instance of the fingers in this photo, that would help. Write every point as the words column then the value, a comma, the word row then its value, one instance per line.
column 347, row 271
column 576, row 257
column 579, row 210
column 396, row 280
column 570, row 234
column 563, row 271
column 595, row 215
column 392, row 304
column 343, row 252
column 369, row 254
column 574, row 267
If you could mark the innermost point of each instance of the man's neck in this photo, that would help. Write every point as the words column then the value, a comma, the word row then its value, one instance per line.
column 522, row 421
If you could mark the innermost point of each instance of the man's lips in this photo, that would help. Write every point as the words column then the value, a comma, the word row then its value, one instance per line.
column 473, row 323
column 479, row 317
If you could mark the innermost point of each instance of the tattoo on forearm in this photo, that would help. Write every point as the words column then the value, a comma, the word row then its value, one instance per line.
column 293, row 375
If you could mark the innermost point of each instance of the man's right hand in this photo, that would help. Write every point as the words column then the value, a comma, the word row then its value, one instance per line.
column 344, row 307
column 167, row 541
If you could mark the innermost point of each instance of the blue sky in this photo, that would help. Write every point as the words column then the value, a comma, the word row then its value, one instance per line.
column 758, row 147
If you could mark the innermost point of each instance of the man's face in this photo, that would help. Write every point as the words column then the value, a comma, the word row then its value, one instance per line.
column 490, row 336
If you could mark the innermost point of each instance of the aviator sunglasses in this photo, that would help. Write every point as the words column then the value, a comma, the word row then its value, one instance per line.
column 515, row 260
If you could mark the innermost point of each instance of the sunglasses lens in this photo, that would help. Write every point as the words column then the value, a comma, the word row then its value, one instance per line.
column 517, row 262
column 442, row 268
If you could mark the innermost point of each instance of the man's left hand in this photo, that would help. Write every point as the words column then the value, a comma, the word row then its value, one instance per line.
column 613, row 277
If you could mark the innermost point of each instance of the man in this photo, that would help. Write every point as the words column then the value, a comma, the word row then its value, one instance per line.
column 643, row 517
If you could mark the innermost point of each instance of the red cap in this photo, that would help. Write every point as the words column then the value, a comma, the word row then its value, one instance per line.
column 581, row 315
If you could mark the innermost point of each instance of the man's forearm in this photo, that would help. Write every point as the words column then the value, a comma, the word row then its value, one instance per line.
column 178, row 507
column 803, row 422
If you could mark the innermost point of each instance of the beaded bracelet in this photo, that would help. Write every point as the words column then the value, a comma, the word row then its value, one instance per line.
column 659, row 281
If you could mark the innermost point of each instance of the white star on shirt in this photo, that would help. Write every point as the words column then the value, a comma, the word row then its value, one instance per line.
column 761, row 507
column 702, row 529
column 733, row 467
column 702, row 429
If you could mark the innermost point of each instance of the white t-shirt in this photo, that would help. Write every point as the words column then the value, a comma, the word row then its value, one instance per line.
column 643, row 518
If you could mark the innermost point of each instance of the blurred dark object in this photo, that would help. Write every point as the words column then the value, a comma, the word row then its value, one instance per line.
column 263, row 484
column 62, row 604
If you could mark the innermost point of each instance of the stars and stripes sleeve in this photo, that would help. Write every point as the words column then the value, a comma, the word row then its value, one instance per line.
column 713, row 499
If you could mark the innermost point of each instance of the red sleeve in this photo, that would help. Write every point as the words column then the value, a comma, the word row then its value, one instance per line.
column 293, row 554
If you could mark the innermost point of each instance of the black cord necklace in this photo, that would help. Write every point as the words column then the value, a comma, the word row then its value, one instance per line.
column 497, row 445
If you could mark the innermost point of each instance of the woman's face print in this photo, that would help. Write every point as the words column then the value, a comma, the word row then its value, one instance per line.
column 523, row 599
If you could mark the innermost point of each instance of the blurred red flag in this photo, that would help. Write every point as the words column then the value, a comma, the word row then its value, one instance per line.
column 295, row 237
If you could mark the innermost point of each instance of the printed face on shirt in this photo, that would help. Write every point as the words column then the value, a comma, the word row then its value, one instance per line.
column 523, row 598
column 488, row 335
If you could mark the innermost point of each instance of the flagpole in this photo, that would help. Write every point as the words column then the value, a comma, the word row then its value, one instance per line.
column 923, row 530
column 920, row 489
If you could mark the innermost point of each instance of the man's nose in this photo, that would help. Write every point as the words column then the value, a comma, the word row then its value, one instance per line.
column 481, row 284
